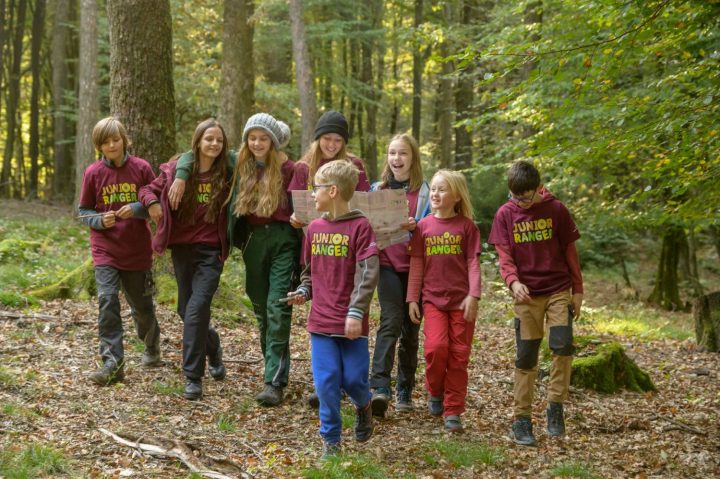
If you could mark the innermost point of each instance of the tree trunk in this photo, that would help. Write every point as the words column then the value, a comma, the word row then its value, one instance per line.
column 418, row 66
column 13, row 99
column 688, row 264
column 60, row 76
column 533, row 22
column 444, row 100
column 141, row 75
column 38, row 28
column 372, row 93
column 237, row 77
column 666, row 293
column 3, row 39
column 706, row 312
column 464, row 99
column 88, row 102
column 303, row 74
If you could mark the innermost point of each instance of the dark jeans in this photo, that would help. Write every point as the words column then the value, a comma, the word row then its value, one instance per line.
column 197, row 272
column 394, row 324
column 138, row 288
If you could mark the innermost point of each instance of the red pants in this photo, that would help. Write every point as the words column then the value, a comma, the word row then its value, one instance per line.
column 448, row 339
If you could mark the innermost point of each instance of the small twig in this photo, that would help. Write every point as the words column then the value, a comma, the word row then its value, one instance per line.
column 243, row 361
column 14, row 315
column 94, row 215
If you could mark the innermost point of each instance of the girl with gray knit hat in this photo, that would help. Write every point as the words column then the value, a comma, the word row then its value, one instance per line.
column 260, row 209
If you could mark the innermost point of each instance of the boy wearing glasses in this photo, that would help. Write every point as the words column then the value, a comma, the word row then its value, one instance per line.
column 535, row 236
column 341, row 272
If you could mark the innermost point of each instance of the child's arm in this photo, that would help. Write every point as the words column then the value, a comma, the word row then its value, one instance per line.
column 149, row 196
column 415, row 280
column 508, row 271
column 367, row 273
column 91, row 218
column 470, row 303
column 304, row 291
column 571, row 256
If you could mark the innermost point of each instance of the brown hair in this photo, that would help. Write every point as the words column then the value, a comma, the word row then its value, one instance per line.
column 416, row 174
column 522, row 177
column 106, row 128
column 261, row 197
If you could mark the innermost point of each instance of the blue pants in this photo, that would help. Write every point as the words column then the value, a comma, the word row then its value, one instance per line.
column 339, row 364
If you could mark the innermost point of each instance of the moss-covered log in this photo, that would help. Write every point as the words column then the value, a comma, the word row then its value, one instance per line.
column 77, row 283
column 608, row 370
column 13, row 249
column 706, row 312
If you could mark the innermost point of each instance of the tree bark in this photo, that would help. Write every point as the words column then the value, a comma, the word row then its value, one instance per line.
column 706, row 312
column 303, row 74
column 666, row 292
column 237, row 75
column 372, row 94
column 3, row 37
column 88, row 101
column 38, row 28
column 464, row 99
column 141, row 81
column 60, row 76
column 533, row 22
column 445, row 100
column 418, row 67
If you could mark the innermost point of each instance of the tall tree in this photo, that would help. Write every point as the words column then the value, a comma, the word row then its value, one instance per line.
column 88, row 101
column 418, row 67
column 141, row 81
column 303, row 74
column 445, row 97
column 60, row 85
column 13, row 99
column 38, row 29
column 464, row 97
column 237, row 76
column 372, row 94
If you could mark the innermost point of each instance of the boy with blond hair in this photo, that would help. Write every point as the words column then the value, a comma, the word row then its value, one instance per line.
column 341, row 272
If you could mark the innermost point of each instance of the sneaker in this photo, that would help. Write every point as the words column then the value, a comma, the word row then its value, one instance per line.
column 435, row 406
column 521, row 432
column 151, row 360
column 216, row 367
column 363, row 423
column 270, row 396
column 555, row 419
column 313, row 401
column 379, row 401
column 453, row 424
column 403, row 402
column 193, row 389
column 330, row 449
column 108, row 374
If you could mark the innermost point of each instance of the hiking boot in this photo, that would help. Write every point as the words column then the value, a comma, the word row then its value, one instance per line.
column 453, row 424
column 313, row 400
column 379, row 401
column 151, row 360
column 215, row 365
column 108, row 374
column 330, row 449
column 555, row 419
column 270, row 396
column 363, row 423
column 521, row 432
column 435, row 406
column 193, row 389
column 403, row 402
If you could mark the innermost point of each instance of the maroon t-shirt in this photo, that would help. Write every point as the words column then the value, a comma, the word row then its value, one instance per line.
column 396, row 256
column 333, row 249
column 125, row 246
column 446, row 244
column 538, row 238
column 283, row 212
column 301, row 181
column 200, row 232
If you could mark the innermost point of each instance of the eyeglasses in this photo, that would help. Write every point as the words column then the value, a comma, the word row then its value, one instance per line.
column 523, row 201
column 316, row 187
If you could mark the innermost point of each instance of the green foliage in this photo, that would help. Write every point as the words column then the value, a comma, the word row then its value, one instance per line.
column 465, row 454
column 169, row 388
column 348, row 416
column 7, row 378
column 572, row 469
column 226, row 423
column 347, row 466
column 608, row 370
column 35, row 460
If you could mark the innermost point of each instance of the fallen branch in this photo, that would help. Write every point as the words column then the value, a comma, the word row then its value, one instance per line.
column 179, row 450
column 15, row 315
column 243, row 361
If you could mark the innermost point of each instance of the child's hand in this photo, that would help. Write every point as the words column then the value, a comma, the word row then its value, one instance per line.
column 415, row 314
column 294, row 297
column 155, row 212
column 520, row 291
column 410, row 225
column 124, row 213
column 577, row 300
column 108, row 219
column 353, row 328
column 470, row 308
column 177, row 190
column 295, row 223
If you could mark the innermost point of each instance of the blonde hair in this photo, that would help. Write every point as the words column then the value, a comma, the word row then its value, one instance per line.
column 261, row 197
column 341, row 173
column 313, row 156
column 106, row 128
column 458, row 186
column 416, row 175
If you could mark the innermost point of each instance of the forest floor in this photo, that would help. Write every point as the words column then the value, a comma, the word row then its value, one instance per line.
column 47, row 404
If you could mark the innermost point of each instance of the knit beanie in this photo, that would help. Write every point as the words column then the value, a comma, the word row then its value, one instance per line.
column 332, row 122
column 279, row 131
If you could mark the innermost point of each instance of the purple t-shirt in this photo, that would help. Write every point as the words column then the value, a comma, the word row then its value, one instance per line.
column 283, row 212
column 538, row 238
column 396, row 256
column 125, row 246
column 333, row 249
column 200, row 232
column 301, row 181
column 446, row 244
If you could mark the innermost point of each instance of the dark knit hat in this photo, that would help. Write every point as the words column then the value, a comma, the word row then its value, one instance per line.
column 332, row 122
column 279, row 131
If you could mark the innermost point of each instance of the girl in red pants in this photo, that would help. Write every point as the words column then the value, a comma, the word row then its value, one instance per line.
column 445, row 272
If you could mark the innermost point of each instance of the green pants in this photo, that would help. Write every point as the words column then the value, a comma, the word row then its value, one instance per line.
column 270, row 257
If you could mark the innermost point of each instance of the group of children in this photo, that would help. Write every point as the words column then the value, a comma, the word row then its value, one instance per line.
column 212, row 198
